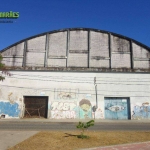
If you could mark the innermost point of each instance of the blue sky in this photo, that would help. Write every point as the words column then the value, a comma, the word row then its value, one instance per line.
column 126, row 17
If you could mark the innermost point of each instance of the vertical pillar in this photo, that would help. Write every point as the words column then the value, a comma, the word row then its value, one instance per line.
column 24, row 54
column 131, row 55
column 46, row 50
column 89, row 48
column 67, row 47
column 110, row 47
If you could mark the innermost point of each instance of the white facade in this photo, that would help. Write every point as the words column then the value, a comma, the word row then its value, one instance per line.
column 65, row 90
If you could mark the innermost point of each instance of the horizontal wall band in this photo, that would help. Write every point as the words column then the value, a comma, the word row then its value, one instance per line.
column 35, row 51
column 100, row 58
column 13, row 56
column 120, row 52
column 141, row 59
column 57, row 57
column 79, row 51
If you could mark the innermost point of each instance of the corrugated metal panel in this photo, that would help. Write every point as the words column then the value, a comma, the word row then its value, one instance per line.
column 99, row 63
column 36, row 44
column 78, row 60
column 99, row 44
column 57, row 44
column 12, row 61
column 120, row 45
column 78, row 40
column 142, row 64
column 15, row 50
column 120, row 61
column 35, row 59
column 140, row 52
column 56, row 62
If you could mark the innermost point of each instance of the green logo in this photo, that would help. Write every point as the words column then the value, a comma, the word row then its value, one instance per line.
column 9, row 15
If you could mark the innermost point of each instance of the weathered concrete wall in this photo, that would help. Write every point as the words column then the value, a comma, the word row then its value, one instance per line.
column 99, row 50
column 72, row 95
column 35, row 51
column 78, row 48
column 141, row 57
column 57, row 50
column 13, row 56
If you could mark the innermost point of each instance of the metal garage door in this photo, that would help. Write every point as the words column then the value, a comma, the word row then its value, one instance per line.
column 36, row 106
column 117, row 108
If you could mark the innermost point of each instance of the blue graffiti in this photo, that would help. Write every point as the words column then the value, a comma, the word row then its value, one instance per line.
column 9, row 109
column 141, row 112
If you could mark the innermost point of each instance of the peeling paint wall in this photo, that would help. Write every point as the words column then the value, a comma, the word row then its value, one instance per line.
column 9, row 110
column 141, row 110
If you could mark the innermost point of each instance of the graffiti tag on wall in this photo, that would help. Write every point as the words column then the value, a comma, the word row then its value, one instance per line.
column 62, row 110
column 141, row 111
column 63, row 114
column 66, row 94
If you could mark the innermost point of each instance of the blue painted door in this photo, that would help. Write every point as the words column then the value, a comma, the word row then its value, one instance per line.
column 117, row 108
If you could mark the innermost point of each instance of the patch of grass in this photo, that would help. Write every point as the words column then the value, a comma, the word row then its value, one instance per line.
column 55, row 140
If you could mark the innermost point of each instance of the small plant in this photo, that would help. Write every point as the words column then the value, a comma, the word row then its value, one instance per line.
column 82, row 126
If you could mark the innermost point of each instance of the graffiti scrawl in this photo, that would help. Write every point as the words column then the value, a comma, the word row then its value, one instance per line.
column 66, row 94
column 141, row 111
column 64, row 110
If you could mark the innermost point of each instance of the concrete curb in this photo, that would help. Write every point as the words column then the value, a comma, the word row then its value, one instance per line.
column 73, row 120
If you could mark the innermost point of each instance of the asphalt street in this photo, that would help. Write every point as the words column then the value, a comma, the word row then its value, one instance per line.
column 39, row 126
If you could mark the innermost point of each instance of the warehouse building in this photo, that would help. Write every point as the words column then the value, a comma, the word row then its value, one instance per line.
column 76, row 73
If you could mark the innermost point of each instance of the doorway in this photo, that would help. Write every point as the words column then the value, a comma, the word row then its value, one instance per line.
column 117, row 108
column 36, row 106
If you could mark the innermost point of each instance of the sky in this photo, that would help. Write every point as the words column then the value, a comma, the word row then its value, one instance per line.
column 130, row 18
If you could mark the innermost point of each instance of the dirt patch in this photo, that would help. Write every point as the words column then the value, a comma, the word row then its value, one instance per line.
column 67, row 140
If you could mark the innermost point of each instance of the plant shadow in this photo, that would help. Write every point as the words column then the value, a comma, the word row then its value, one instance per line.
column 68, row 135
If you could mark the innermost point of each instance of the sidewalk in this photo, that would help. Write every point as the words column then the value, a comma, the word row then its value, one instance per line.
column 132, row 146
column 11, row 138
column 73, row 120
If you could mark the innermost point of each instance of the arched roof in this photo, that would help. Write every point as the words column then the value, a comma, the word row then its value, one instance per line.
column 72, row 29
column 92, row 48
